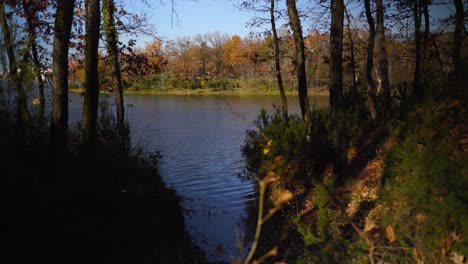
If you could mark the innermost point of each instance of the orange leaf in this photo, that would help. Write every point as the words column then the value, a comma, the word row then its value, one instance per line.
column 390, row 233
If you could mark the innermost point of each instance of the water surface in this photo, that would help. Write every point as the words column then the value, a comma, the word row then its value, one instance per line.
column 200, row 139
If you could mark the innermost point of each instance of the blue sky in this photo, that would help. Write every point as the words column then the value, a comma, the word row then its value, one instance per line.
column 202, row 16
column 194, row 17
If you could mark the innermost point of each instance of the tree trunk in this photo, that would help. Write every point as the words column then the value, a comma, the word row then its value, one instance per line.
column 351, row 47
column 370, row 61
column 284, row 106
column 108, row 7
column 37, row 65
column 382, row 62
column 59, row 119
column 457, row 43
column 16, row 82
column 299, row 59
column 417, row 89
column 91, row 97
column 337, row 103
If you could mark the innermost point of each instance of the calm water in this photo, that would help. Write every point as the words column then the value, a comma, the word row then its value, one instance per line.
column 200, row 139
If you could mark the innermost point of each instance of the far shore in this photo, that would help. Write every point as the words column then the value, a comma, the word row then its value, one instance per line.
column 317, row 91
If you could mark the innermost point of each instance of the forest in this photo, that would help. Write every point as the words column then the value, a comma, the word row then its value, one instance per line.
column 377, row 176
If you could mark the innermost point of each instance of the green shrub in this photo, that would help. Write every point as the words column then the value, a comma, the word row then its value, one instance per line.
column 426, row 189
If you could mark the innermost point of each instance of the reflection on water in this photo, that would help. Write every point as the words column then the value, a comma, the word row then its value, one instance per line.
column 200, row 139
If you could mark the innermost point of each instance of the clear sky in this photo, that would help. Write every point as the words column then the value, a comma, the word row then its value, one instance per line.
column 201, row 16
column 193, row 17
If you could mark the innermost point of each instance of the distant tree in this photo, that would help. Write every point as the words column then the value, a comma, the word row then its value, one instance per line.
column 91, row 97
column 299, row 61
column 276, row 40
column 108, row 8
column 217, row 40
column 337, row 102
column 59, row 120
column 203, row 54
column 16, row 82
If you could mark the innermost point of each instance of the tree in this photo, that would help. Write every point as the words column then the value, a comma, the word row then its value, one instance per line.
column 108, row 7
column 203, row 54
column 457, row 43
column 370, row 61
column 91, row 97
column 59, row 119
column 284, row 102
column 336, row 88
column 30, row 8
column 417, row 89
column 16, row 82
column 299, row 60
column 382, row 62
column 351, row 48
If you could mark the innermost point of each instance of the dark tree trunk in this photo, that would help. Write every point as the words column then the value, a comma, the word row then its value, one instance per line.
column 382, row 62
column 16, row 82
column 91, row 97
column 417, row 89
column 351, row 47
column 108, row 7
column 457, row 43
column 299, row 59
column 30, row 18
column 427, row 29
column 59, row 119
column 370, row 61
column 337, row 102
column 284, row 106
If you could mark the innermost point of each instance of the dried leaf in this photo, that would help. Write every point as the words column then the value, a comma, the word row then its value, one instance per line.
column 285, row 196
column 390, row 233
column 454, row 236
column 445, row 243
column 457, row 258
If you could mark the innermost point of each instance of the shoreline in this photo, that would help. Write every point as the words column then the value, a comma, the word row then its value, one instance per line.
column 211, row 92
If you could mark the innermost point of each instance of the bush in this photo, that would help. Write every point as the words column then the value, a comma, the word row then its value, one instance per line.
column 425, row 190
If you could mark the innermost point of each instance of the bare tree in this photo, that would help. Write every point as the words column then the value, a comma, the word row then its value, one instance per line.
column 59, row 119
column 382, row 62
column 417, row 93
column 284, row 102
column 16, row 82
column 370, row 61
column 337, row 103
column 91, row 97
column 299, row 60
column 457, row 42
column 31, row 23
column 108, row 8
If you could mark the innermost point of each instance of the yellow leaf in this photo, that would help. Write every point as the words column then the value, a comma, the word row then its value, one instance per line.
column 35, row 101
column 390, row 233
column 266, row 151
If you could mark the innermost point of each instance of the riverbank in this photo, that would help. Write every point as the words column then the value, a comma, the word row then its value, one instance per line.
column 317, row 91
column 61, row 209
column 401, row 200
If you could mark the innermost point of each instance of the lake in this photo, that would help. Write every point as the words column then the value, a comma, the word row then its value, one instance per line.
column 200, row 138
